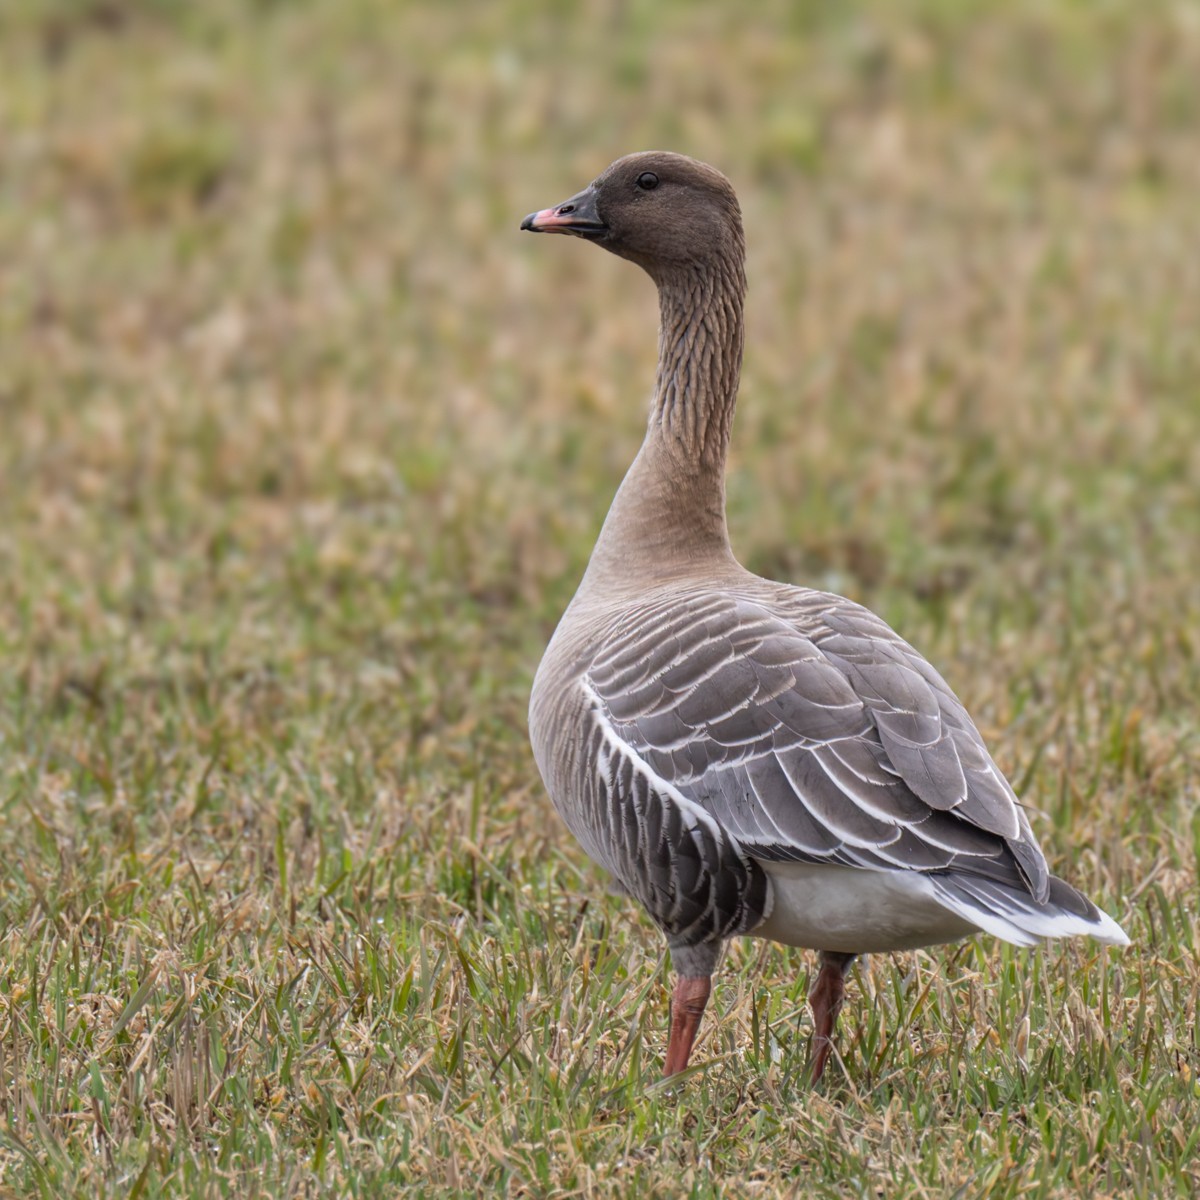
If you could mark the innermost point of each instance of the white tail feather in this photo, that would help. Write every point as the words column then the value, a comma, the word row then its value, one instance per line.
column 1019, row 919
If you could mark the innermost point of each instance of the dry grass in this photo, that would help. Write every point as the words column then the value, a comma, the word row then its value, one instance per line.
column 303, row 450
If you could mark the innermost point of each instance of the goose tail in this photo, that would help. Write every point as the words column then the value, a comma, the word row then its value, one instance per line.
column 1018, row 917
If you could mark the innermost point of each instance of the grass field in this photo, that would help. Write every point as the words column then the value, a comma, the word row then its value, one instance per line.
column 302, row 450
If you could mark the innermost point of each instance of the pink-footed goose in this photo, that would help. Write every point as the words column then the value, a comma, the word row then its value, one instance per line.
column 749, row 757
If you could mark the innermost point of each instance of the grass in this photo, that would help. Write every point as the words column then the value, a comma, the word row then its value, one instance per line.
column 303, row 451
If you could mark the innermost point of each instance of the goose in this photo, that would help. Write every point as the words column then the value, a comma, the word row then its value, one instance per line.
column 748, row 757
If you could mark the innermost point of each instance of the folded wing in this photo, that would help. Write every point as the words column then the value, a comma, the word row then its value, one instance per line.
column 810, row 731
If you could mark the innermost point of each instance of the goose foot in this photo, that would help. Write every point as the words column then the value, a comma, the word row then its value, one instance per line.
column 826, row 1001
column 687, row 1007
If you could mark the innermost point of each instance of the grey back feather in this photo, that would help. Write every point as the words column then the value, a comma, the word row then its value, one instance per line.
column 810, row 731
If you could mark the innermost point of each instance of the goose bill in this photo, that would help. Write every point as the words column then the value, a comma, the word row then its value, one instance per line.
column 577, row 215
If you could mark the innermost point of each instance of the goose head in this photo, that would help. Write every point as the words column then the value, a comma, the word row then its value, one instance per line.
column 663, row 211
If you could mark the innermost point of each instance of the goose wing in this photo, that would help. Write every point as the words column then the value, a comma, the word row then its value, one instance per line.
column 810, row 731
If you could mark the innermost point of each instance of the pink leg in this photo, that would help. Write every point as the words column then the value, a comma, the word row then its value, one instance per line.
column 687, row 1007
column 826, row 1001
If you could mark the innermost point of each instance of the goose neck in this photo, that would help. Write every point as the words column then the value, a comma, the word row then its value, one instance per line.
column 668, row 517
column 701, row 335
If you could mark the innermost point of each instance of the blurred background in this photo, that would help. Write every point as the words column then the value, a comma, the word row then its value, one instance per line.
column 303, row 446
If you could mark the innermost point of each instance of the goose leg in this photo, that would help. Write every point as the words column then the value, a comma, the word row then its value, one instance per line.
column 687, row 1007
column 826, row 1001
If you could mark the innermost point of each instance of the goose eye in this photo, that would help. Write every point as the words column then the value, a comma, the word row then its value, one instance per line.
column 647, row 181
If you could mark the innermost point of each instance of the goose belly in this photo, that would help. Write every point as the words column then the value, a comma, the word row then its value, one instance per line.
column 855, row 911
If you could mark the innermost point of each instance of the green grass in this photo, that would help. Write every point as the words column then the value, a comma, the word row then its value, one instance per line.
column 302, row 450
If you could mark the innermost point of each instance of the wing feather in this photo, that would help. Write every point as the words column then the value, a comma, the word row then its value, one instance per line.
column 808, row 730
